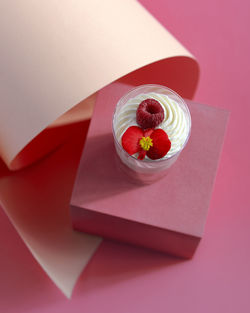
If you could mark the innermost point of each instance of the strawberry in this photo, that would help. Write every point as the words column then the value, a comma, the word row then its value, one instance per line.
column 149, row 114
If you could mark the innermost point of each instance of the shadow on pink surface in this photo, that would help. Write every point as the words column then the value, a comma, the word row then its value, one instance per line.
column 115, row 263
column 4, row 171
column 102, row 170
column 23, row 285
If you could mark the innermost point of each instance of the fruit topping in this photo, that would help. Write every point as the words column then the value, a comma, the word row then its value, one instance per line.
column 149, row 114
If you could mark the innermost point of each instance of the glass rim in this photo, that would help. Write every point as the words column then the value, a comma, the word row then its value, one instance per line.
column 149, row 160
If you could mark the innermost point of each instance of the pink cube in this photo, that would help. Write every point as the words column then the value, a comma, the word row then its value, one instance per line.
column 168, row 215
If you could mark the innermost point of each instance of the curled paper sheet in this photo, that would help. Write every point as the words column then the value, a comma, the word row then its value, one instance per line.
column 58, row 53
column 36, row 202
column 53, row 60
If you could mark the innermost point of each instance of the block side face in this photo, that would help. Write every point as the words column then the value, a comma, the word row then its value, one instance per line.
column 135, row 233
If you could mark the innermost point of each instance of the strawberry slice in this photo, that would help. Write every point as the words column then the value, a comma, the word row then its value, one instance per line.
column 131, row 138
column 161, row 144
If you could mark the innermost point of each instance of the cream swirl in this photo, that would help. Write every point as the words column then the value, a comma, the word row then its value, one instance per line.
column 175, row 122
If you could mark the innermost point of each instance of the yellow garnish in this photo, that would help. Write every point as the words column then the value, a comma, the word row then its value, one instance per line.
column 146, row 143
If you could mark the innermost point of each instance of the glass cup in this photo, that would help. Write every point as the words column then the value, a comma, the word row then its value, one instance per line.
column 147, row 170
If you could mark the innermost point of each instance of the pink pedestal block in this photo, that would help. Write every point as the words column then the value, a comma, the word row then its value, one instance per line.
column 168, row 215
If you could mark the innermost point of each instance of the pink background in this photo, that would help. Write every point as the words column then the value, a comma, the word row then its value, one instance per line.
column 125, row 279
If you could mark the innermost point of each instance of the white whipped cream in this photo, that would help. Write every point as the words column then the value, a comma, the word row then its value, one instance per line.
column 175, row 122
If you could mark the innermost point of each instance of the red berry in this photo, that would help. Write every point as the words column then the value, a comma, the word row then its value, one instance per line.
column 161, row 144
column 131, row 138
column 149, row 114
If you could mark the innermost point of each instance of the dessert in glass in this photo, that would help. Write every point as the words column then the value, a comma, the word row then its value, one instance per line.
column 151, row 126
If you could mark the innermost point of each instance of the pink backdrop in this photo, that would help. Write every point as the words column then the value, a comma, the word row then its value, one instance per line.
column 125, row 279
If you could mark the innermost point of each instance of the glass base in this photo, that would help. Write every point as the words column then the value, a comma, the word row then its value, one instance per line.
column 139, row 178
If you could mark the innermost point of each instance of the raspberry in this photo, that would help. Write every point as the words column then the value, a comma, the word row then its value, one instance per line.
column 149, row 114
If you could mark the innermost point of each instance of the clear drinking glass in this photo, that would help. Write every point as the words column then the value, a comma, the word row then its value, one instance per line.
column 147, row 171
